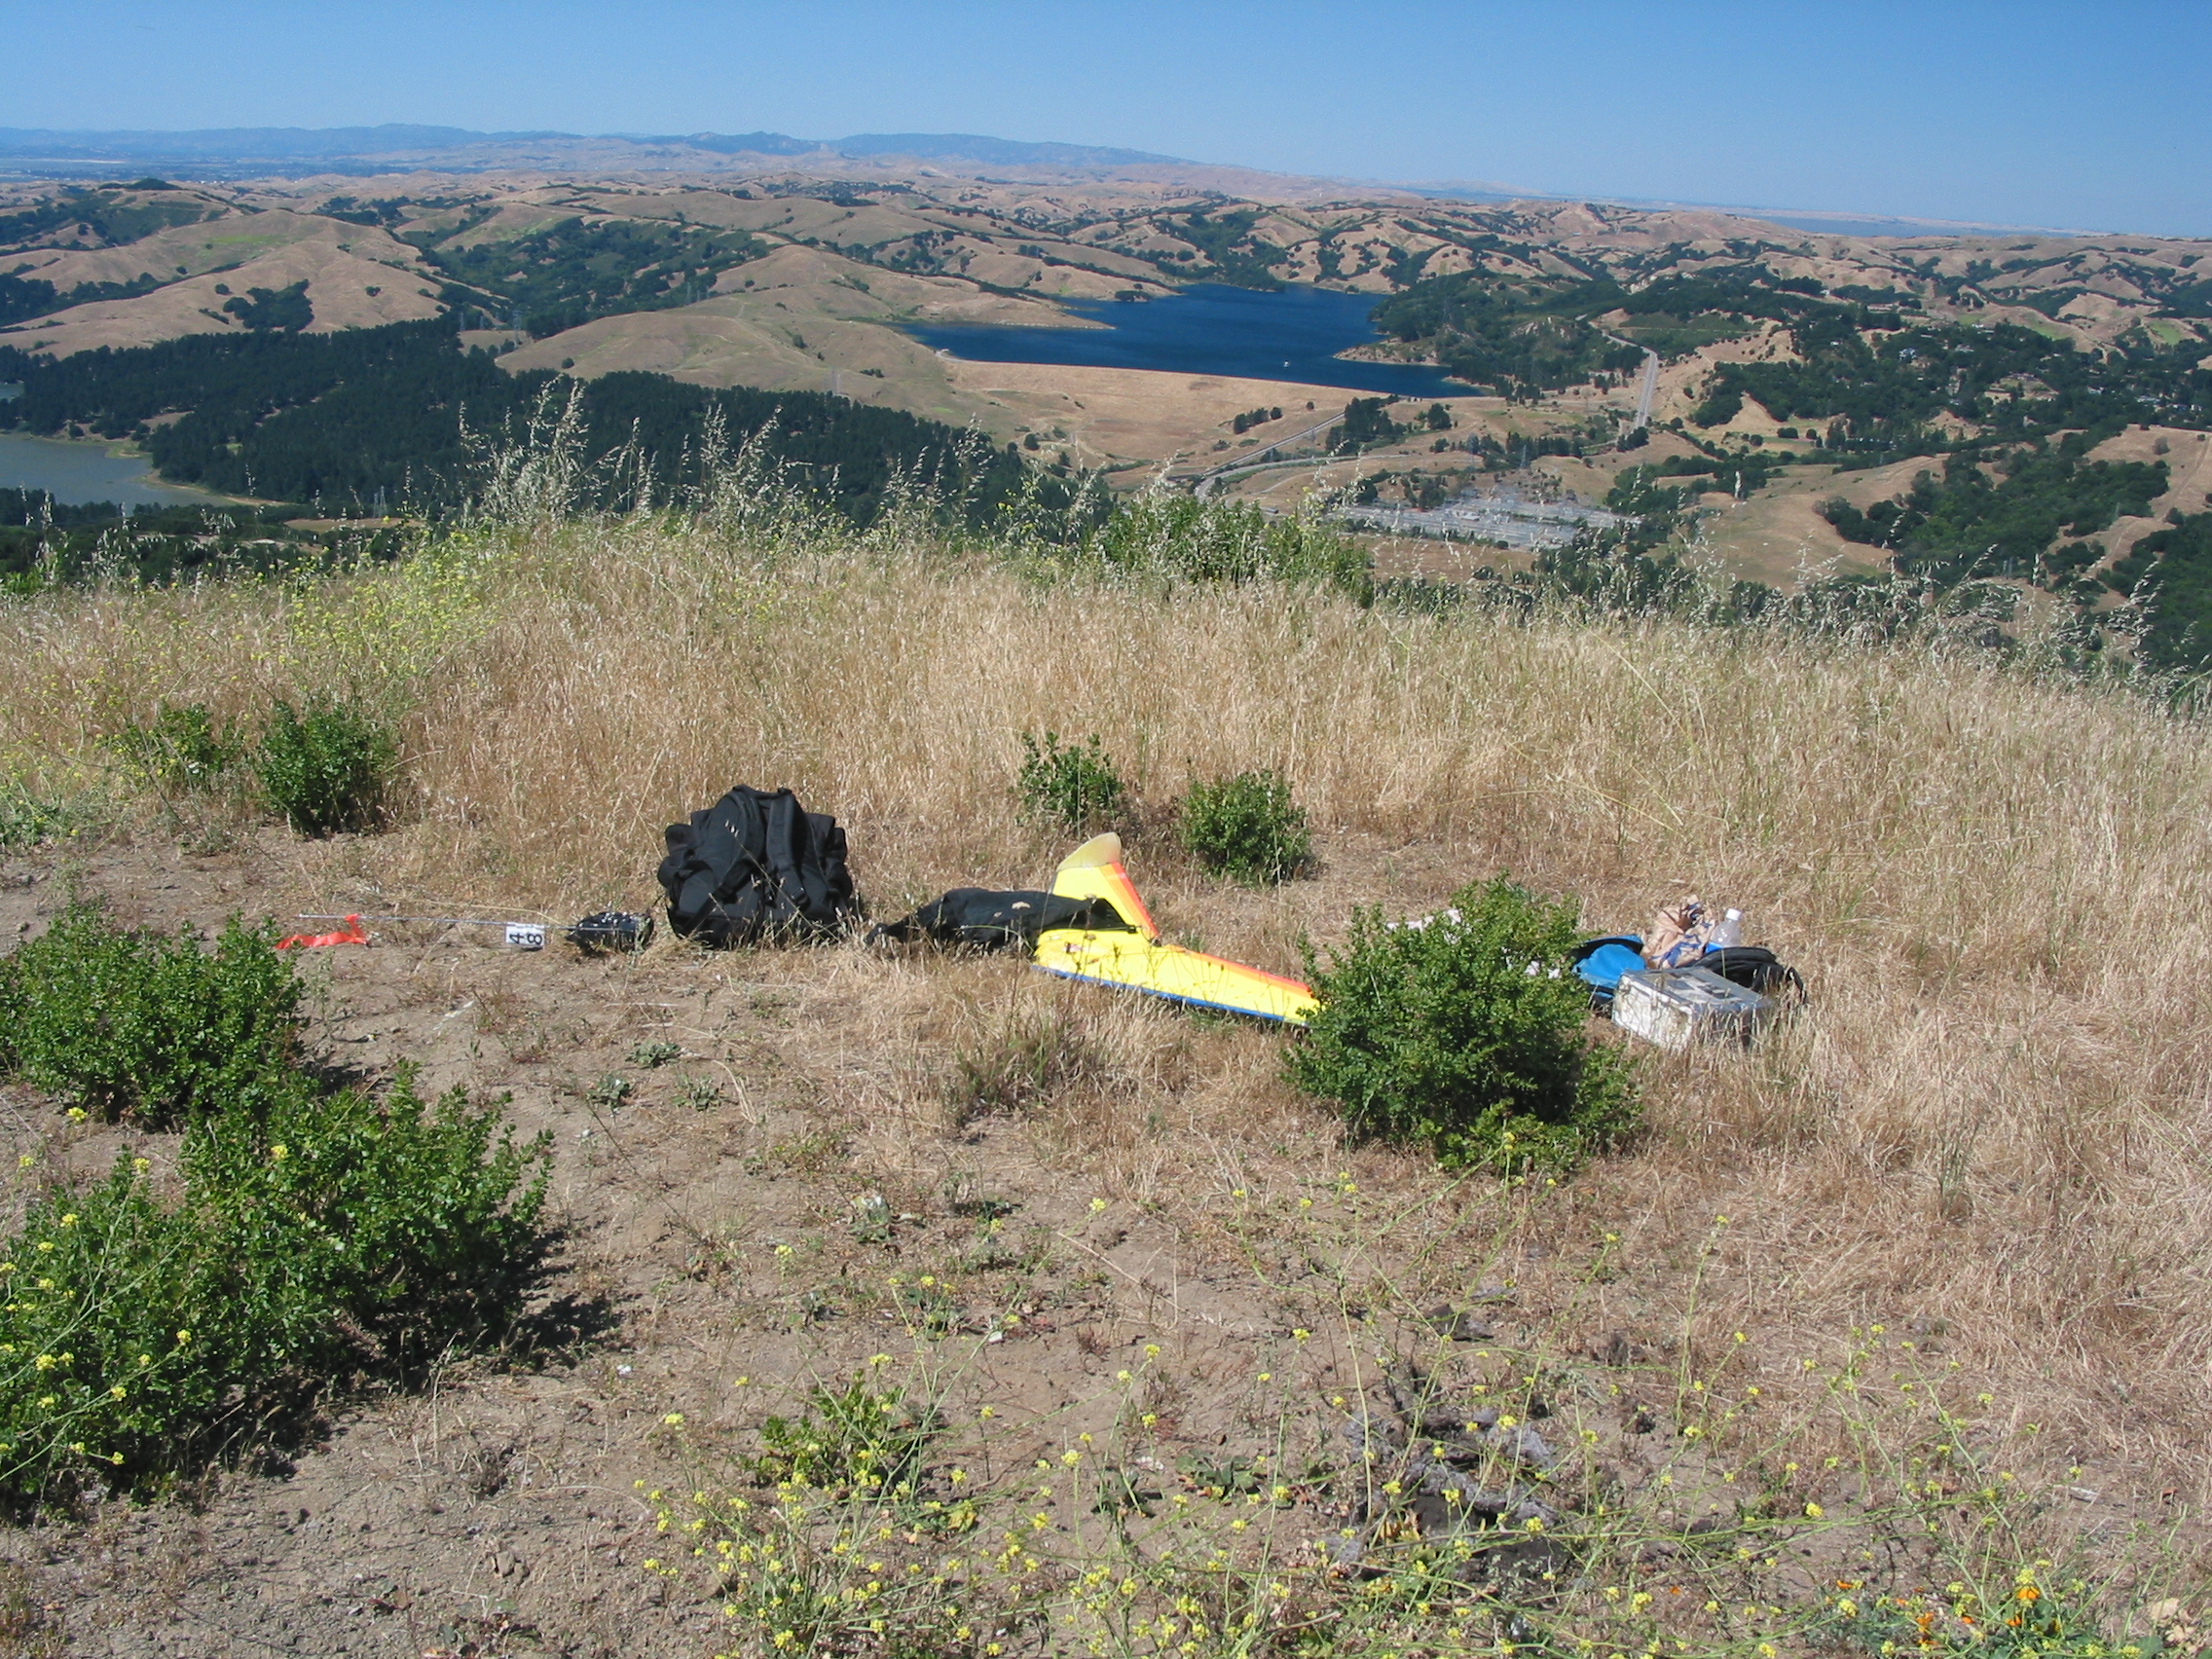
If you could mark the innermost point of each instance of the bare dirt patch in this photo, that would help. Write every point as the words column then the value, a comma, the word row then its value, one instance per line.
column 1120, row 414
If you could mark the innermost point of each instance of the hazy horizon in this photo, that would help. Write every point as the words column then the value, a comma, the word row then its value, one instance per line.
column 142, row 149
column 2029, row 113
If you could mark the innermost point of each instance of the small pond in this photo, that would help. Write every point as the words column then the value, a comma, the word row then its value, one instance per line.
column 75, row 470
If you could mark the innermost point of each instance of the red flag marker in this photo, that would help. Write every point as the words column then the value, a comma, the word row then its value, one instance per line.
column 350, row 934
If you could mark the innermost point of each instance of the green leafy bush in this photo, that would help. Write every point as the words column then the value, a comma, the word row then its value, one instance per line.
column 2023, row 1614
column 1247, row 826
column 145, row 1024
column 99, row 1371
column 328, row 770
column 1169, row 533
column 183, row 749
column 1455, row 1031
column 1073, row 787
column 416, row 1223
column 317, row 1237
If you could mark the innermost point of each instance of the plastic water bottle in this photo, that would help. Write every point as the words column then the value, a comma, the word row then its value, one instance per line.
column 1729, row 933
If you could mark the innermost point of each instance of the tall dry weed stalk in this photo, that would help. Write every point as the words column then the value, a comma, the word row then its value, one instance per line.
column 1994, row 1118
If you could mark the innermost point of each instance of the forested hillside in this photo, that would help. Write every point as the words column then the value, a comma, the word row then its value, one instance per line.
column 573, row 270
column 1518, row 333
column 384, row 416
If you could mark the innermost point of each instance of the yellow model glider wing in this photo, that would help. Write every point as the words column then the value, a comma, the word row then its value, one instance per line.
column 1139, row 962
column 1093, row 870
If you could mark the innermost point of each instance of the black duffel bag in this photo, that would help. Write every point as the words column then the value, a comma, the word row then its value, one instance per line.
column 755, row 866
column 989, row 919
column 1754, row 968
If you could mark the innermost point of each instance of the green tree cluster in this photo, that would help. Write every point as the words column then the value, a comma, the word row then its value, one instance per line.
column 2169, row 573
column 1963, row 525
column 1224, row 239
column 1880, row 396
column 47, row 543
column 1367, row 425
column 285, row 310
column 107, row 214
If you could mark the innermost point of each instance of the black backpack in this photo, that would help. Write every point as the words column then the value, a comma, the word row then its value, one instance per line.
column 756, row 865
column 988, row 920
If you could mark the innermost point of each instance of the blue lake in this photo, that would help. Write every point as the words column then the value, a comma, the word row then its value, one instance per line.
column 75, row 470
column 1291, row 335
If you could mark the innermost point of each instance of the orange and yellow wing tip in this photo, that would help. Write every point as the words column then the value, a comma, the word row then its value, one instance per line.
column 1094, row 871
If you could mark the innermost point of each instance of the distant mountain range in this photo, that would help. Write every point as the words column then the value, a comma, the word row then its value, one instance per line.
column 230, row 152
column 233, row 153
column 1824, row 222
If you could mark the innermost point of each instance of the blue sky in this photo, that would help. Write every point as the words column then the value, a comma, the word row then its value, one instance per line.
column 2088, row 115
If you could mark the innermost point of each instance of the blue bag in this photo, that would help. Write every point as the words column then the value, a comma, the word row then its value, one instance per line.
column 1601, row 963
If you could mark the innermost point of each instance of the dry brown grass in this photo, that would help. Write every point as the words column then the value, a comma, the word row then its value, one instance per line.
column 1993, row 1122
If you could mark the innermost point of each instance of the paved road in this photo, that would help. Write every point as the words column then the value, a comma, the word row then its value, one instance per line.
column 1202, row 485
column 1646, row 387
column 1303, row 464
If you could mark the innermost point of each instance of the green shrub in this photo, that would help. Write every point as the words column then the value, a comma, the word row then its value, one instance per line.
column 1247, row 826
column 317, row 1238
column 145, row 1024
column 183, row 749
column 328, row 770
column 1455, row 1032
column 102, row 1372
column 1169, row 533
column 1996, row 1611
column 1069, row 785
column 368, row 1231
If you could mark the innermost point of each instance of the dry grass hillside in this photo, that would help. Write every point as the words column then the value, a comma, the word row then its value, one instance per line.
column 1910, row 1295
column 804, row 274
column 996, row 247
column 355, row 276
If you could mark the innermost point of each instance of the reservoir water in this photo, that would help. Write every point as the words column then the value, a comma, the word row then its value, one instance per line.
column 74, row 471
column 1290, row 335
